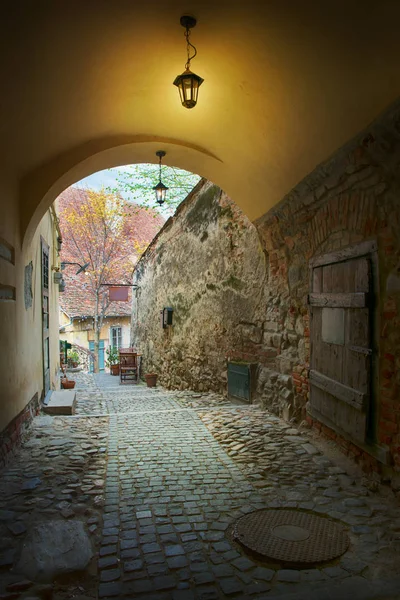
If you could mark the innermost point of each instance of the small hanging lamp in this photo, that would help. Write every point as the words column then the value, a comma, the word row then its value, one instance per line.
column 188, row 83
column 160, row 189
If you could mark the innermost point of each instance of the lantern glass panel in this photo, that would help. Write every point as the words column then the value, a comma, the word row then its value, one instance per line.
column 160, row 190
column 188, row 84
column 160, row 196
column 189, row 89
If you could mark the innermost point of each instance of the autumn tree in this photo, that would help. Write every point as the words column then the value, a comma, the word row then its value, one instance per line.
column 97, row 229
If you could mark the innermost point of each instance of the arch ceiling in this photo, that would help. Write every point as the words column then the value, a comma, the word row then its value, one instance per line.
column 88, row 85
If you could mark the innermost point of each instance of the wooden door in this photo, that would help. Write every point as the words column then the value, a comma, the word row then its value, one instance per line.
column 340, row 369
column 45, row 316
column 101, row 356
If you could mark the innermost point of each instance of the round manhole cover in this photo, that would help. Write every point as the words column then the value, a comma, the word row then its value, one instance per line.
column 291, row 536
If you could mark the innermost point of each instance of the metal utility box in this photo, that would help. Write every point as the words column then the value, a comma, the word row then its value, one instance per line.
column 241, row 380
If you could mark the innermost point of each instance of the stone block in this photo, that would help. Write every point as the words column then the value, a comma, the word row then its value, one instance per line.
column 296, row 275
column 54, row 548
column 62, row 402
column 285, row 380
column 286, row 394
column 299, row 326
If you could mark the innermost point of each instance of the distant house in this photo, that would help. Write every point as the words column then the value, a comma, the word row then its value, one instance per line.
column 76, row 319
column 77, row 302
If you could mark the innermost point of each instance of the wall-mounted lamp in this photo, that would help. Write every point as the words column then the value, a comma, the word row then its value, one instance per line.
column 82, row 268
column 57, row 277
column 160, row 189
column 167, row 313
column 188, row 83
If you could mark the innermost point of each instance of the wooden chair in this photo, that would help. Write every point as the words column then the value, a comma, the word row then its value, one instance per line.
column 125, row 350
column 128, row 367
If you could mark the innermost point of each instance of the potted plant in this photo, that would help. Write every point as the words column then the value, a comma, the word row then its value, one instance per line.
column 73, row 358
column 66, row 384
column 113, row 360
column 151, row 379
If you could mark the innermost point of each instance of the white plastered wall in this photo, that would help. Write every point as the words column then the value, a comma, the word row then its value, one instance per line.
column 21, row 359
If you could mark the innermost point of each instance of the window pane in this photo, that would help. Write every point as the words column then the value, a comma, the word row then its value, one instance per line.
column 333, row 325
column 116, row 337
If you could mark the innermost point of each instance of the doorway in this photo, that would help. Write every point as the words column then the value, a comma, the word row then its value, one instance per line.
column 341, row 326
column 45, row 316
column 101, row 355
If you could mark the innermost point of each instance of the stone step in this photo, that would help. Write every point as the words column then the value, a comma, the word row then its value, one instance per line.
column 62, row 402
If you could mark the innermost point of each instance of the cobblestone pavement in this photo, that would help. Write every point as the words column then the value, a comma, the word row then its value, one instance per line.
column 58, row 473
column 181, row 467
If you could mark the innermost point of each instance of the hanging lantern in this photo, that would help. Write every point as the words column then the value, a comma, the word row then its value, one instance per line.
column 188, row 83
column 160, row 189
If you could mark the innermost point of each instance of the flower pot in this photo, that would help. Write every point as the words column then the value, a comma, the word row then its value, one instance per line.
column 151, row 379
column 67, row 384
column 114, row 369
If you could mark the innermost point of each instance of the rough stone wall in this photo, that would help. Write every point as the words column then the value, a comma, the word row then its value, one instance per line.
column 208, row 265
column 354, row 196
column 236, row 299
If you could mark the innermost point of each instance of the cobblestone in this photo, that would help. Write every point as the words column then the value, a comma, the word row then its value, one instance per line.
column 181, row 467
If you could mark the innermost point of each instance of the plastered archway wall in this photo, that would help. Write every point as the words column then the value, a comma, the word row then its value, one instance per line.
column 286, row 84
column 39, row 190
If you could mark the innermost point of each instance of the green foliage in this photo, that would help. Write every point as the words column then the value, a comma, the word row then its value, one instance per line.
column 112, row 356
column 137, row 183
column 72, row 356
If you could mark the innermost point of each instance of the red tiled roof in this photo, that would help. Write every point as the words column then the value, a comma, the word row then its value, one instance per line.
column 78, row 300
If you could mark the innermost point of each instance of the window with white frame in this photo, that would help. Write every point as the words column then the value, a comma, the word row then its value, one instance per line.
column 116, row 337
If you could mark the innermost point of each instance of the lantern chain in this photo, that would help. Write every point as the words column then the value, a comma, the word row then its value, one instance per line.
column 188, row 43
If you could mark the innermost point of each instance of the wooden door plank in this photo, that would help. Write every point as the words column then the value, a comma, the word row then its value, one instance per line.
column 362, row 275
column 328, row 405
column 347, row 277
column 352, row 252
column 317, row 398
column 316, row 332
column 351, row 421
column 349, row 395
column 331, row 360
column 317, row 280
column 354, row 425
column 356, row 375
column 357, row 327
column 357, row 351
column 337, row 278
column 327, row 278
column 337, row 300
